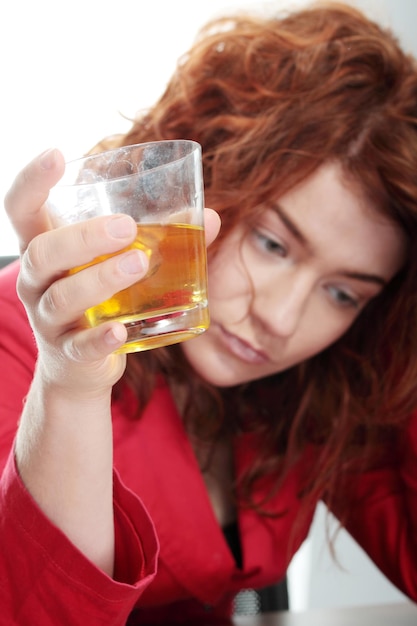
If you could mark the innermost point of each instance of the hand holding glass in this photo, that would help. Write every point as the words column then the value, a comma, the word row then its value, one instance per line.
column 160, row 185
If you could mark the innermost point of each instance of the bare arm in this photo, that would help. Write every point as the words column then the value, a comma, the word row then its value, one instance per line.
column 64, row 442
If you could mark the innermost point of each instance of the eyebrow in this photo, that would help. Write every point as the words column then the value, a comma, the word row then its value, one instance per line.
column 369, row 278
column 296, row 232
column 289, row 224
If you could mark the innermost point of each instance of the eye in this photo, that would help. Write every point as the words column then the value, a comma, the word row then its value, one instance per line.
column 268, row 244
column 343, row 298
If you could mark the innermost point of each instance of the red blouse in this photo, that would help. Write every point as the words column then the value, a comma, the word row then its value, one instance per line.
column 172, row 560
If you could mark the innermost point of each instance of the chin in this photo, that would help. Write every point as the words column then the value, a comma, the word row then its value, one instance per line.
column 218, row 378
column 222, row 381
column 218, row 374
column 212, row 365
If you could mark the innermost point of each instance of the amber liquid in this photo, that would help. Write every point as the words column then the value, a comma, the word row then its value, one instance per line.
column 170, row 304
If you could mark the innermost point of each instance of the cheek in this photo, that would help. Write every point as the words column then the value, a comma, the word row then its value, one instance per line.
column 324, row 330
column 227, row 277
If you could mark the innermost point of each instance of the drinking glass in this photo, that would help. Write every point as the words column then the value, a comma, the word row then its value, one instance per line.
column 160, row 185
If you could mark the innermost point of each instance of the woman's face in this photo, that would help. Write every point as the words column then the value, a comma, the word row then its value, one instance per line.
column 296, row 282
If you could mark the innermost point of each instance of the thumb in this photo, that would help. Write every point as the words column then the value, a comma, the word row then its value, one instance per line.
column 25, row 199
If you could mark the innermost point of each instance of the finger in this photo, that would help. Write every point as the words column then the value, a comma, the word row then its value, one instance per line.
column 26, row 197
column 89, row 345
column 212, row 225
column 63, row 304
column 56, row 252
column 86, row 354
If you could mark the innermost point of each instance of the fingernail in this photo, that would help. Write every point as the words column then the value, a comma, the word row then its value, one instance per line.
column 115, row 336
column 121, row 227
column 133, row 263
column 48, row 159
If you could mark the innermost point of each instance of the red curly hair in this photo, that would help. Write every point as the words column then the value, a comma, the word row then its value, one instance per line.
column 270, row 100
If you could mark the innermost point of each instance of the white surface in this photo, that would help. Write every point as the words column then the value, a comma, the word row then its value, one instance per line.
column 72, row 71
column 316, row 580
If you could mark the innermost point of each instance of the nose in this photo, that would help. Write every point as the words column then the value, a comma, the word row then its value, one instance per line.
column 279, row 304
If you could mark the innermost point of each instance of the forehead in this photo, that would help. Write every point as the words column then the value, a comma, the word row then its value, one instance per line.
column 339, row 224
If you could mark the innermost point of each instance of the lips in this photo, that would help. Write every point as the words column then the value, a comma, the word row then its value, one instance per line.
column 241, row 349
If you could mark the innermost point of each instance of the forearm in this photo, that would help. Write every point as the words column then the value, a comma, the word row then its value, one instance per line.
column 64, row 455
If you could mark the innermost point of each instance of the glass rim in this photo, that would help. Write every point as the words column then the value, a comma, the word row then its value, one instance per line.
column 95, row 156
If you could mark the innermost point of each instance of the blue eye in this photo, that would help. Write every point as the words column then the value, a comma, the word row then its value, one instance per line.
column 343, row 298
column 268, row 244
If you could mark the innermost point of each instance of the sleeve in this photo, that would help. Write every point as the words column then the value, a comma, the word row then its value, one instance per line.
column 44, row 579
column 382, row 514
column 17, row 358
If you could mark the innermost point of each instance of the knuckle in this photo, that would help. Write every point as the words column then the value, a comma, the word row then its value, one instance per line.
column 87, row 347
column 9, row 199
column 92, row 233
column 30, row 265
column 21, row 287
column 85, row 235
column 35, row 256
column 103, row 278
column 73, row 351
column 55, row 300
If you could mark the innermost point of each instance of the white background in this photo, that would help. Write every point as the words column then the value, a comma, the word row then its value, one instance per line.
column 70, row 73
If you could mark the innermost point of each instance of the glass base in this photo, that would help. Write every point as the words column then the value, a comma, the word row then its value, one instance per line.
column 164, row 330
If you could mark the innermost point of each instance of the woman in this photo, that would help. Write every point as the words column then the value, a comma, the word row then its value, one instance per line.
column 153, row 491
